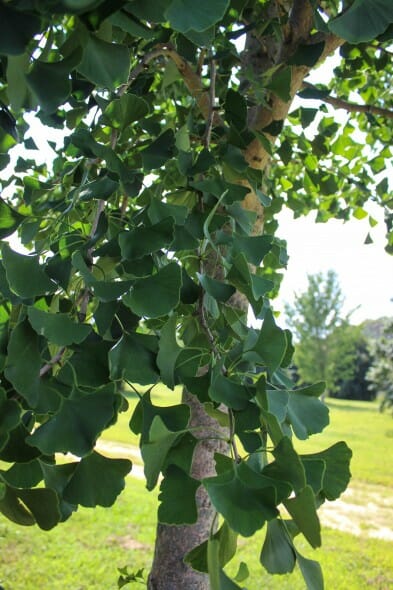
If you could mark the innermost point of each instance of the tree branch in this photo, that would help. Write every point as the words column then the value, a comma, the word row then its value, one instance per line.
column 55, row 359
column 191, row 78
column 300, row 20
column 351, row 107
column 212, row 98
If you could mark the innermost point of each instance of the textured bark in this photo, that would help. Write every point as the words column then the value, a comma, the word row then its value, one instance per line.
column 173, row 542
column 169, row 572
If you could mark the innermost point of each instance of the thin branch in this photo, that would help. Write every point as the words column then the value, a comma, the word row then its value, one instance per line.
column 212, row 98
column 55, row 359
column 351, row 107
column 201, row 60
column 191, row 78
column 232, row 436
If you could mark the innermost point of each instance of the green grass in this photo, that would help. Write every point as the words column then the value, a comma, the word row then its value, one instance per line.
column 120, row 432
column 369, row 434
column 84, row 552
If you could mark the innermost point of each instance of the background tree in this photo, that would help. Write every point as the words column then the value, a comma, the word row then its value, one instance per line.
column 325, row 343
column 354, row 383
column 380, row 373
column 145, row 249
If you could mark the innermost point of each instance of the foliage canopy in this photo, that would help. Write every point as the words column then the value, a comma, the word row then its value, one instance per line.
column 145, row 229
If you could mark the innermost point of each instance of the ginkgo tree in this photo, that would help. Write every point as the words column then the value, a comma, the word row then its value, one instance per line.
column 150, row 235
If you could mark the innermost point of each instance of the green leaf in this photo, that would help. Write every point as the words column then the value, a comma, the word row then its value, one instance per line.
column 24, row 362
column 159, row 151
column 302, row 508
column 16, row 449
column 56, row 477
column 27, row 507
column 242, row 573
column 240, row 276
column 130, row 25
column 287, row 465
column 203, row 38
column 271, row 344
column 277, row 403
column 145, row 240
column 25, row 275
column 280, row 85
column 315, row 473
column 213, row 567
column 13, row 509
column 154, row 452
column 57, row 328
column 236, row 109
column 44, row 506
column 307, row 415
column 9, row 415
column 103, row 290
column 220, row 416
column 177, row 497
column 23, row 475
column 174, row 417
column 103, row 188
column 337, row 473
column 105, row 64
column 149, row 11
column 254, row 248
column 159, row 210
column 307, row 55
column 97, row 481
column 226, row 583
column 278, row 554
column 89, row 415
column 133, row 359
column 51, row 82
column 220, row 291
column 186, row 15
column 311, row 571
column 227, row 539
column 169, row 351
column 156, row 295
column 125, row 110
column 363, row 21
column 10, row 220
column 17, row 89
column 88, row 366
column 243, row 497
column 17, row 29
column 232, row 394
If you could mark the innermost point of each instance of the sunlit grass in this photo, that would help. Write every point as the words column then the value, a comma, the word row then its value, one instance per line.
column 369, row 434
column 84, row 552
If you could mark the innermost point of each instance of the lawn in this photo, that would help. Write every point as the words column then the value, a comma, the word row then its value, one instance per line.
column 85, row 552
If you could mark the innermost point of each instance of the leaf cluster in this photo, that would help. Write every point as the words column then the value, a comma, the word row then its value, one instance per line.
column 139, row 262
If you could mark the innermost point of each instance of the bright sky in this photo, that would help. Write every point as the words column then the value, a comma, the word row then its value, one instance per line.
column 365, row 271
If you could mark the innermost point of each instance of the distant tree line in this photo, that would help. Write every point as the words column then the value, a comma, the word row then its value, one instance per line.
column 356, row 362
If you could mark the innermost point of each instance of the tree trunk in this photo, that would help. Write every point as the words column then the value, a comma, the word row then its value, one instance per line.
column 169, row 572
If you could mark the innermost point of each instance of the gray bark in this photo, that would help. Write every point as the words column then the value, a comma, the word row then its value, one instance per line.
column 169, row 572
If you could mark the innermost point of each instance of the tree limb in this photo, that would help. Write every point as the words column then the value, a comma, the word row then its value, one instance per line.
column 212, row 98
column 191, row 79
column 351, row 107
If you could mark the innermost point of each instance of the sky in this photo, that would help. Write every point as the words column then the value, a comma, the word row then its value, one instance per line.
column 365, row 271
